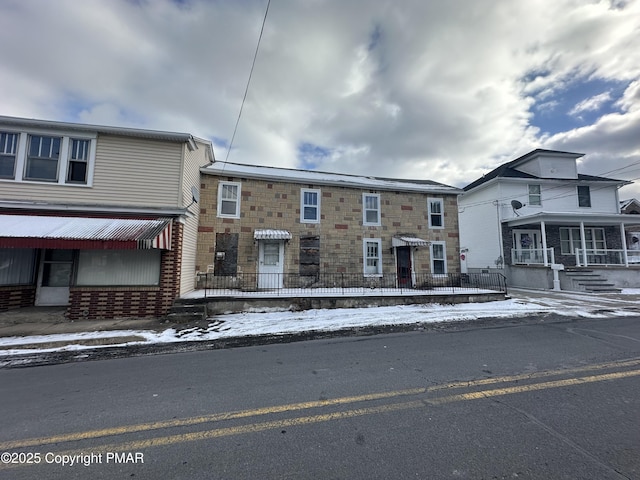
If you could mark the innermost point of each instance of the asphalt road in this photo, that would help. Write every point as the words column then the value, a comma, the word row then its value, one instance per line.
column 553, row 399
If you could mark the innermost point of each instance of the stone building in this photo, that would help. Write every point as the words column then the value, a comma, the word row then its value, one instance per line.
column 274, row 227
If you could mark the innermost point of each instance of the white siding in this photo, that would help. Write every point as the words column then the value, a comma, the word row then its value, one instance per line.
column 479, row 227
column 128, row 171
column 550, row 167
column 193, row 160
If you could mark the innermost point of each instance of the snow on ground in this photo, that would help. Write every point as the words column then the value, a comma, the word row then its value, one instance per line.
column 272, row 322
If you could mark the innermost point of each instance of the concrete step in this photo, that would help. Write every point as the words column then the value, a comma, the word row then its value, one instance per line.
column 185, row 313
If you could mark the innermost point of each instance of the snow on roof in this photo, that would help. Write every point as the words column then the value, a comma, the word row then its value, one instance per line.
column 326, row 178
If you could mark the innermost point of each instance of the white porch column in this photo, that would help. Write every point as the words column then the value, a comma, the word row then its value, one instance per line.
column 544, row 243
column 624, row 245
column 583, row 244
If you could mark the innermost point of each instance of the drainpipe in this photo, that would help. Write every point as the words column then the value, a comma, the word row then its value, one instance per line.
column 500, row 240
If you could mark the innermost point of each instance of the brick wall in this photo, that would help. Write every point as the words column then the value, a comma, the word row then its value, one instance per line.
column 17, row 296
column 276, row 205
column 117, row 302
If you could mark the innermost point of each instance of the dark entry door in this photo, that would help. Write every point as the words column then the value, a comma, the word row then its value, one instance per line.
column 403, row 255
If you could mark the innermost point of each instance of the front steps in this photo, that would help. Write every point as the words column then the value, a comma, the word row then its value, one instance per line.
column 585, row 280
column 187, row 312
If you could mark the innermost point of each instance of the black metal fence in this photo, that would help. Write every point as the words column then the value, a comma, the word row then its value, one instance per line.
column 343, row 284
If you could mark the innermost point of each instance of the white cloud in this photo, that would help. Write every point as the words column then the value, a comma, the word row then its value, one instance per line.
column 591, row 104
column 418, row 89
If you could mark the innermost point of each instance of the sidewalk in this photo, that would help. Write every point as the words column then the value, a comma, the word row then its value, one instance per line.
column 44, row 329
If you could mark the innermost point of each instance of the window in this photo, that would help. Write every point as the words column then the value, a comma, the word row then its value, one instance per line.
column 435, row 212
column 118, row 267
column 438, row 258
column 17, row 266
column 534, row 195
column 570, row 240
column 42, row 158
column 8, row 146
column 310, row 206
column 56, row 158
column 371, row 208
column 584, row 196
column 372, row 257
column 229, row 199
column 78, row 160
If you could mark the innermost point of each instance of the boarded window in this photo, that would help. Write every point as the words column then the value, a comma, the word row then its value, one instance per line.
column 309, row 256
column 226, row 255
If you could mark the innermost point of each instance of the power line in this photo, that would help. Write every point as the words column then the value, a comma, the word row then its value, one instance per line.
column 246, row 91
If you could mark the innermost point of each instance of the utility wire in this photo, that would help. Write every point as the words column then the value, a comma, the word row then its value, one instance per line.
column 246, row 91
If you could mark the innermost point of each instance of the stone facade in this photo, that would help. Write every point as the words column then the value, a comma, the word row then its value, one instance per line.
column 332, row 245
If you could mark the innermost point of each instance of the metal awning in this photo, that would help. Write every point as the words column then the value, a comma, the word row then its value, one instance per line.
column 86, row 233
column 408, row 242
column 271, row 235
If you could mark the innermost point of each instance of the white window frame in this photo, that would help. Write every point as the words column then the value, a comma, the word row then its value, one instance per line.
column 431, row 214
column 9, row 149
column 377, row 223
column 574, row 240
column 303, row 205
column 78, row 155
column 221, row 186
column 432, row 257
column 366, row 257
column 22, row 152
column 535, row 199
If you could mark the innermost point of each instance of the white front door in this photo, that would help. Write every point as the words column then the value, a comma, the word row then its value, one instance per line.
column 54, row 278
column 270, row 264
column 528, row 246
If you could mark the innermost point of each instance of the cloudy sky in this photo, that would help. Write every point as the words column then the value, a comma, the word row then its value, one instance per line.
column 443, row 89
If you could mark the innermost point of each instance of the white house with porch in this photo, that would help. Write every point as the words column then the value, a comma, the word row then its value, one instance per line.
column 536, row 215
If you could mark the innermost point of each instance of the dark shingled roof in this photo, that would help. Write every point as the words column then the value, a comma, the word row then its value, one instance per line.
column 507, row 170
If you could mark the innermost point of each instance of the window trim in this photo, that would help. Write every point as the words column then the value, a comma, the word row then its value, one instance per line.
column 578, row 187
column 535, row 195
column 578, row 240
column 432, row 258
column 378, row 242
column 15, row 143
column 238, row 185
column 303, row 205
column 430, row 214
column 365, row 210
column 22, row 153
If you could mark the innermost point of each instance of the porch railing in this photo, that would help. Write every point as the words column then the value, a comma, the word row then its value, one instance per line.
column 345, row 284
column 606, row 256
column 533, row 256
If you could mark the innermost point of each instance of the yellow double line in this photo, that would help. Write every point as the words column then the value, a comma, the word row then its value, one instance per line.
column 138, row 445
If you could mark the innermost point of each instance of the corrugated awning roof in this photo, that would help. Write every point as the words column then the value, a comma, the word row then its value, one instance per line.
column 31, row 231
column 408, row 242
column 271, row 235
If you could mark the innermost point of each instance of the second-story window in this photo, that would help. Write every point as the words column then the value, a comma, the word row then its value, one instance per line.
column 371, row 208
column 78, row 160
column 534, row 195
column 310, row 206
column 435, row 212
column 229, row 199
column 584, row 196
column 42, row 158
column 8, row 145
